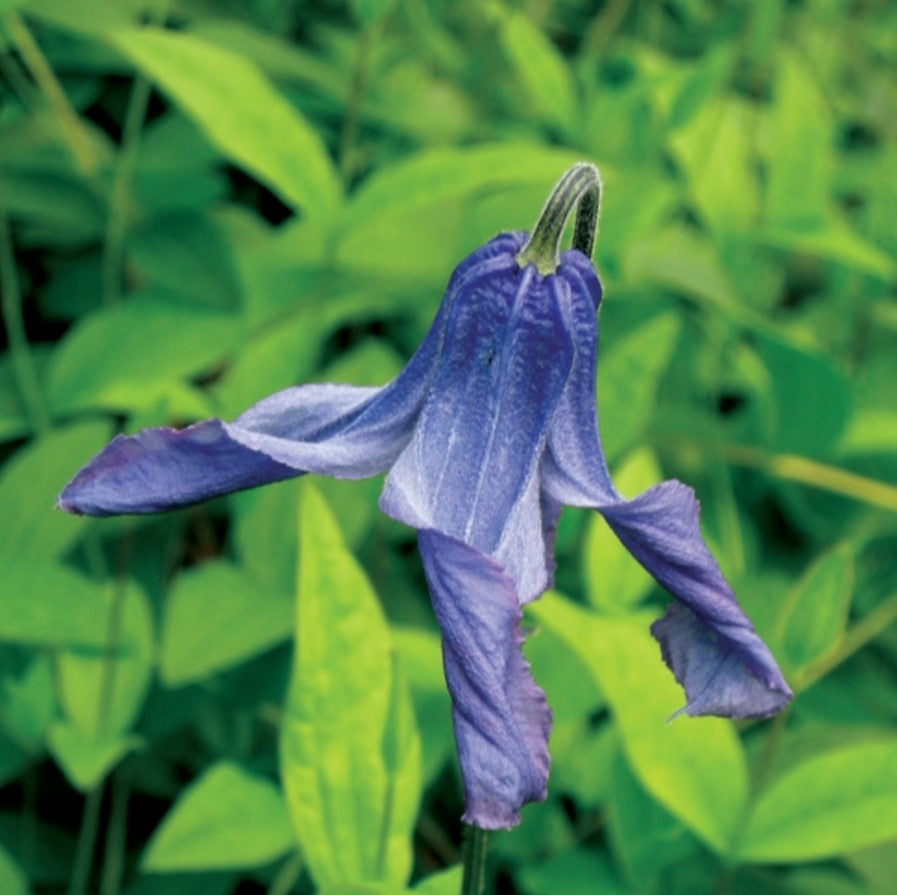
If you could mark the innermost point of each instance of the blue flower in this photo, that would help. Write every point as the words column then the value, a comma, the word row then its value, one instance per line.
column 488, row 431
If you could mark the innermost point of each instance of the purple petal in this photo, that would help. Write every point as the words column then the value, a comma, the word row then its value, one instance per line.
column 470, row 469
column 707, row 640
column 500, row 716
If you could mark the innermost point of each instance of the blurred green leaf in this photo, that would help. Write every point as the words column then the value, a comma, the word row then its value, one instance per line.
column 629, row 371
column 29, row 484
column 572, row 873
column 692, row 766
column 543, row 73
column 226, row 818
column 45, row 604
column 217, row 616
column 239, row 110
column 129, row 356
column 84, row 756
column 28, row 704
column 350, row 753
column 12, row 880
column 614, row 580
column 828, row 805
column 813, row 617
column 102, row 694
column 446, row 882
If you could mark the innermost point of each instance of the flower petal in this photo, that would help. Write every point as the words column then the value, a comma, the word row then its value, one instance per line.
column 707, row 640
column 500, row 716
column 470, row 469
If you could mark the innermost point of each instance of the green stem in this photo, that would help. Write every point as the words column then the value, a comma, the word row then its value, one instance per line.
column 78, row 140
column 87, row 840
column 20, row 353
column 116, row 834
column 580, row 186
column 119, row 198
column 474, row 861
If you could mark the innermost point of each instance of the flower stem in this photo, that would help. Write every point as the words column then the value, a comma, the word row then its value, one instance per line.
column 580, row 186
column 474, row 861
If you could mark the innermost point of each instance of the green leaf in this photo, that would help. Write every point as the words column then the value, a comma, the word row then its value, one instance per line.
column 226, row 818
column 546, row 79
column 12, row 879
column 812, row 619
column 216, row 616
column 45, row 604
column 350, row 753
column 84, row 757
column 446, row 882
column 614, row 580
column 693, row 766
column 629, row 372
column 126, row 357
column 28, row 703
column 572, row 873
column 82, row 680
column 828, row 805
column 240, row 111
column 29, row 484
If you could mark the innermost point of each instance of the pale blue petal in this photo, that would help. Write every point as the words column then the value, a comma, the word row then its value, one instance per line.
column 500, row 716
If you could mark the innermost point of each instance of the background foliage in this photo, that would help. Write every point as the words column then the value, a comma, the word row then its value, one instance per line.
column 202, row 202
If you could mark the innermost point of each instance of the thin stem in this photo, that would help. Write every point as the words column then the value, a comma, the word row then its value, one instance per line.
column 119, row 198
column 116, row 834
column 87, row 840
column 474, row 877
column 36, row 63
column 20, row 352
column 580, row 186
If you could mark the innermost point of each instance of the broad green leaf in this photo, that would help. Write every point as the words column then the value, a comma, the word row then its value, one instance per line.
column 226, row 818
column 446, row 882
column 813, row 617
column 102, row 694
column 548, row 86
column 801, row 159
column 124, row 358
column 46, row 604
column 645, row 837
column 629, row 372
column 86, row 758
column 614, row 580
column 350, row 753
column 443, row 176
column 572, row 873
column 240, row 111
column 693, row 766
column 29, row 484
column 28, row 703
column 12, row 880
column 716, row 148
column 834, row 803
column 216, row 616
column 371, row 11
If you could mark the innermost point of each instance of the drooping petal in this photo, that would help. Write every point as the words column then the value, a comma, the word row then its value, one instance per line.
column 708, row 642
column 470, row 469
column 500, row 716
column 338, row 430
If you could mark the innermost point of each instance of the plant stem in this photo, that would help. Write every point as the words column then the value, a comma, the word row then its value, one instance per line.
column 87, row 840
column 474, row 861
column 288, row 875
column 19, row 350
column 119, row 198
column 78, row 140
column 580, row 186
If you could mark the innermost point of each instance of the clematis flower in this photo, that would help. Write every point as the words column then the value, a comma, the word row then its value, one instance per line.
column 488, row 431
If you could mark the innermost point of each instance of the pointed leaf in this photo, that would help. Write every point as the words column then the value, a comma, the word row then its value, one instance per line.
column 693, row 766
column 834, row 803
column 217, row 616
column 350, row 753
column 240, row 111
column 226, row 818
